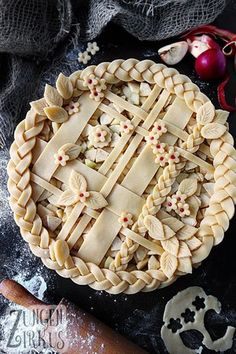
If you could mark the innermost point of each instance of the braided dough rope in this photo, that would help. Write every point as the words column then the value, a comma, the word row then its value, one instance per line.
column 155, row 201
column 212, row 228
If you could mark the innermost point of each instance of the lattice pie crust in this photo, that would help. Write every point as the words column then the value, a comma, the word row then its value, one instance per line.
column 123, row 176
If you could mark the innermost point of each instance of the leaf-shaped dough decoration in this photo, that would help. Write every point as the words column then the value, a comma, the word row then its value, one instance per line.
column 186, row 232
column 172, row 222
column 183, row 250
column 185, row 265
column 188, row 186
column 168, row 232
column 154, row 226
column 61, row 251
column 56, row 114
column 206, row 113
column 153, row 263
column 72, row 150
column 52, row 97
column 68, row 197
column 213, row 131
column 168, row 263
column 193, row 243
column 221, row 116
column 39, row 105
column 95, row 200
column 64, row 86
column 194, row 204
column 171, row 246
column 77, row 182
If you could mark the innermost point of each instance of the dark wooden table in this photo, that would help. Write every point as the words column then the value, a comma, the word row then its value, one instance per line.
column 139, row 316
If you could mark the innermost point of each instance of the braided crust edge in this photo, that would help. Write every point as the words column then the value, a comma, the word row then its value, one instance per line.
column 212, row 228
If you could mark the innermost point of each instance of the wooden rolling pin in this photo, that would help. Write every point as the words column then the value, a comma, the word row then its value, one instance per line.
column 80, row 332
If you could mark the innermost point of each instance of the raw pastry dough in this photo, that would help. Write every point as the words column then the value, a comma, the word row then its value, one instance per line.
column 185, row 312
column 122, row 154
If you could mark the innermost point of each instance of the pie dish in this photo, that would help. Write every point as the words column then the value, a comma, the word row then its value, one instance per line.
column 123, row 176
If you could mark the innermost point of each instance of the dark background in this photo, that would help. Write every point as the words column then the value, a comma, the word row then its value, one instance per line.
column 139, row 316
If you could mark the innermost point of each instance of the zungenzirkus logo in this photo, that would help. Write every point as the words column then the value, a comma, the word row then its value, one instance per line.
column 37, row 329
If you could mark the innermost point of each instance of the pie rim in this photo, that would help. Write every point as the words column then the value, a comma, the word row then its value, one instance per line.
column 221, row 208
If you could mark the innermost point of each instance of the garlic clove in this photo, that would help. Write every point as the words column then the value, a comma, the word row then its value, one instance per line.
column 173, row 53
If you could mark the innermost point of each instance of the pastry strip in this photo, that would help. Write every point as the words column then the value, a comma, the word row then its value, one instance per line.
column 178, row 115
column 125, row 138
column 195, row 159
column 45, row 185
column 69, row 132
column 120, row 199
column 144, row 168
column 78, row 230
column 137, row 111
column 141, row 172
column 70, row 221
column 142, row 241
column 100, row 237
column 112, row 112
column 114, row 205
column 38, row 149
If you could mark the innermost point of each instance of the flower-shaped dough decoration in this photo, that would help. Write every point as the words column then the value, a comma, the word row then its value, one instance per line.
column 170, row 204
column 96, row 95
column 152, row 138
column 84, row 57
column 156, row 132
column 101, row 86
column 60, row 158
column 83, row 194
column 96, row 86
column 100, row 136
column 125, row 219
column 72, row 107
column 159, row 128
column 163, row 153
column 92, row 48
column 90, row 81
column 158, row 148
column 183, row 209
column 77, row 192
column 66, row 153
column 179, row 197
column 161, row 159
column 178, row 202
column 126, row 126
column 172, row 156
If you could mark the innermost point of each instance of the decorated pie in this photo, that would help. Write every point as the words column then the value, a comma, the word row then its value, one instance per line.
column 122, row 177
